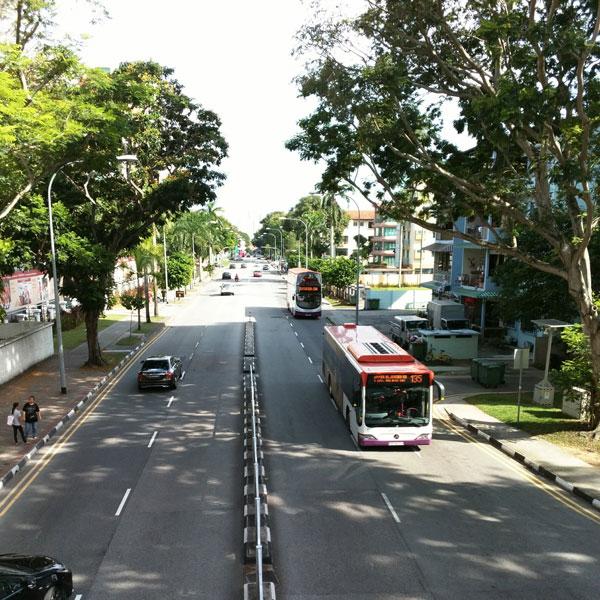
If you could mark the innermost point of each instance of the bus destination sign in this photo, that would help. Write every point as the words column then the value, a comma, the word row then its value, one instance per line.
column 308, row 288
column 406, row 378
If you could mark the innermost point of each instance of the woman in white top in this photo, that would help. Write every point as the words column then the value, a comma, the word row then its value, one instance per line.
column 16, row 414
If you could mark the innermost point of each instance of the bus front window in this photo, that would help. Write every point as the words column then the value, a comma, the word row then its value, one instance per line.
column 388, row 405
column 308, row 300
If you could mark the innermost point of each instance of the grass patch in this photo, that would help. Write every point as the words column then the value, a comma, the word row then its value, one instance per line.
column 337, row 303
column 77, row 336
column 545, row 422
column 132, row 340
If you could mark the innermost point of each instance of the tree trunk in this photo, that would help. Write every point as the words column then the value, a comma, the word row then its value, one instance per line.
column 580, row 290
column 331, row 246
column 139, row 310
column 146, row 290
column 95, row 358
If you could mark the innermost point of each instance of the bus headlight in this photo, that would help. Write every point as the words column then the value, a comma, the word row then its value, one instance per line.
column 423, row 436
column 366, row 436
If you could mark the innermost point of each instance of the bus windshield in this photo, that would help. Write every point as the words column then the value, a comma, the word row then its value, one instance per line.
column 393, row 405
column 308, row 299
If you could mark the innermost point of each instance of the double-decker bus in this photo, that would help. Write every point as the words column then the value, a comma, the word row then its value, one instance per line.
column 304, row 294
column 383, row 393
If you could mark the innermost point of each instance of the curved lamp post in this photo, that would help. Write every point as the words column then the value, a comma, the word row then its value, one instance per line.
column 306, row 227
column 357, row 257
column 275, row 238
column 281, row 234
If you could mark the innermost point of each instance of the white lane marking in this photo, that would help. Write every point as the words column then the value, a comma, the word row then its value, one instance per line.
column 291, row 324
column 391, row 508
column 123, row 502
column 191, row 356
column 197, row 344
column 183, row 375
column 302, row 344
column 310, row 360
column 296, row 333
column 320, row 378
column 79, row 597
column 152, row 439
column 170, row 401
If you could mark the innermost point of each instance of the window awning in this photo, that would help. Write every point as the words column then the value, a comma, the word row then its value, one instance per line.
column 440, row 246
column 435, row 285
column 475, row 293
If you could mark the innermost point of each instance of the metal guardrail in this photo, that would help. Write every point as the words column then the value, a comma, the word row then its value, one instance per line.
column 257, row 534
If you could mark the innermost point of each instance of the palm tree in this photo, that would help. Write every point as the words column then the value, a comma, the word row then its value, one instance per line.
column 145, row 255
column 335, row 216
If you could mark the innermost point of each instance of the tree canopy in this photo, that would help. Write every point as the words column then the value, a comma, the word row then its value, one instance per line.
column 524, row 79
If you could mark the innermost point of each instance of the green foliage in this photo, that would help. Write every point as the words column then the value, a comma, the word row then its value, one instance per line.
column 132, row 301
column 180, row 270
column 339, row 272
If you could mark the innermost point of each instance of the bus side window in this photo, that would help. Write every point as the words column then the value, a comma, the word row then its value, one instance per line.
column 441, row 390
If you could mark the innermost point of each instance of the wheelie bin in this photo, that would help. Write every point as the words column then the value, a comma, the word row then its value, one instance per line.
column 418, row 350
column 474, row 366
column 489, row 374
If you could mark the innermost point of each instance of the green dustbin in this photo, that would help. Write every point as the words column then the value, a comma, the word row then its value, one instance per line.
column 474, row 366
column 489, row 374
column 372, row 303
column 418, row 350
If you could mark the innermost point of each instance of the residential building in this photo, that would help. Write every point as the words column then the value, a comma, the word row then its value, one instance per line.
column 348, row 245
column 402, row 245
column 464, row 270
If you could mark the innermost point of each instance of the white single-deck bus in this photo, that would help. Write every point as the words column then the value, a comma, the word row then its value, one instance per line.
column 304, row 295
column 383, row 393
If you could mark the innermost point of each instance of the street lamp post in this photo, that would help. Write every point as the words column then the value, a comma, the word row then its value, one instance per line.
column 357, row 257
column 275, row 238
column 61, row 352
column 306, row 227
column 281, row 234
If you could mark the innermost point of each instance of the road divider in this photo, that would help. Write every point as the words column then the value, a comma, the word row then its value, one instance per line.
column 258, row 558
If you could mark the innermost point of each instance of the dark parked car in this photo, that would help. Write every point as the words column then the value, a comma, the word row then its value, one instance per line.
column 265, row 267
column 232, row 265
column 244, row 266
column 32, row 577
column 226, row 275
column 160, row 371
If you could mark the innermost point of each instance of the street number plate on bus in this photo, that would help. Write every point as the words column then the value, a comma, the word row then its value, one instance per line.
column 396, row 444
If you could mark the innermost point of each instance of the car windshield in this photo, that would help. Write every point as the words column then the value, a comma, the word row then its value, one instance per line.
column 149, row 365
column 387, row 406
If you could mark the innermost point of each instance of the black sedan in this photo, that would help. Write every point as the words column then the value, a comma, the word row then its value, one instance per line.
column 32, row 577
column 160, row 371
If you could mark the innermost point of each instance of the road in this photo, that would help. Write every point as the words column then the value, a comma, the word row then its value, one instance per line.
column 456, row 519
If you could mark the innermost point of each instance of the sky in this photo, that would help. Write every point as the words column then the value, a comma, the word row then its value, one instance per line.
column 232, row 57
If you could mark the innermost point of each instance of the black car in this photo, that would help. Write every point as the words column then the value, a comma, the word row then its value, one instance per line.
column 226, row 275
column 33, row 577
column 160, row 371
column 244, row 266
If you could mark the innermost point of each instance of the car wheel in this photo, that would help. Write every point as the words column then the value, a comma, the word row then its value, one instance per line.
column 55, row 593
column 140, row 388
column 174, row 383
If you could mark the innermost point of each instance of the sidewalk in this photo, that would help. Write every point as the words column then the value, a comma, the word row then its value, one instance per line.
column 564, row 468
column 43, row 381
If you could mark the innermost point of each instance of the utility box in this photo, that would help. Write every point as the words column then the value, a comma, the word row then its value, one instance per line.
column 404, row 328
column 446, row 314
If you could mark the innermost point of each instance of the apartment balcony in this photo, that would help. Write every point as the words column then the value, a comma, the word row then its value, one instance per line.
column 384, row 238
column 383, row 252
column 475, row 279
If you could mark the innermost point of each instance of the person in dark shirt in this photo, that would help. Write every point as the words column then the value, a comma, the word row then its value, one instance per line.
column 32, row 416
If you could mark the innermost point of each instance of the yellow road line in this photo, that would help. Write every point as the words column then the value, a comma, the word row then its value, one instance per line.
column 557, row 493
column 15, row 493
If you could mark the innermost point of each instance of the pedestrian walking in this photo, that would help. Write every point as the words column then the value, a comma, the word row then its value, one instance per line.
column 16, row 424
column 32, row 416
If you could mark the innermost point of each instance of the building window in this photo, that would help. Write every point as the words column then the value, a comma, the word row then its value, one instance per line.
column 389, row 231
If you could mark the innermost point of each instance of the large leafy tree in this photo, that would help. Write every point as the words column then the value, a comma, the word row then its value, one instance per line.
column 48, row 100
column 101, row 211
column 523, row 76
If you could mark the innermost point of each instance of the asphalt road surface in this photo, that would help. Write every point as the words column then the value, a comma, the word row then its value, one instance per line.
column 142, row 495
